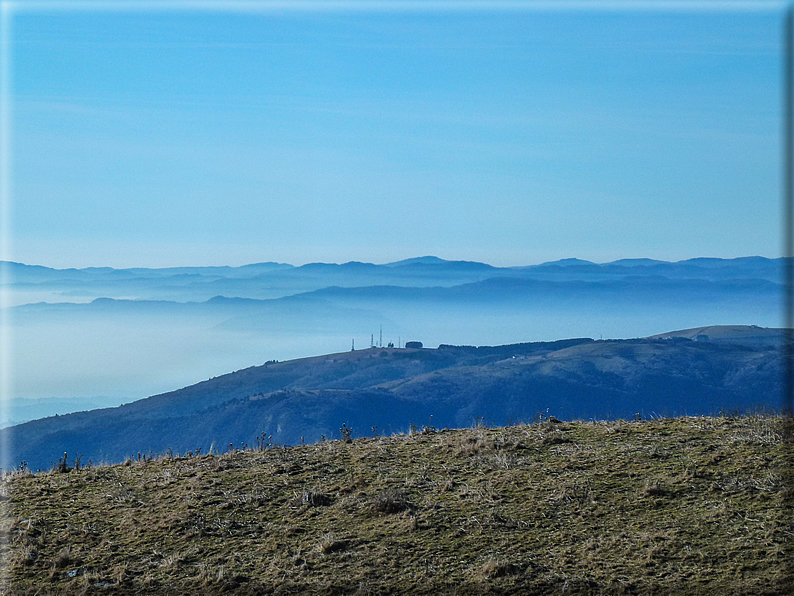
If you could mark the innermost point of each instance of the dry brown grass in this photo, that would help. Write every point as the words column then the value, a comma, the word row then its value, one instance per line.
column 670, row 506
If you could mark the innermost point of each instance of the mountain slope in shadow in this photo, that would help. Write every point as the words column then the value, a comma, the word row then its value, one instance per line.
column 386, row 390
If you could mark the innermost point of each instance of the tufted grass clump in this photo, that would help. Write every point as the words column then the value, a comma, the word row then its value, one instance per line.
column 391, row 500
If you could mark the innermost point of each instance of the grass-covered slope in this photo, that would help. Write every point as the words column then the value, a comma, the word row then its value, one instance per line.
column 667, row 506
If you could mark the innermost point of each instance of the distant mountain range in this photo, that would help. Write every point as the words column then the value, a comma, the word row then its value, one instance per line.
column 387, row 390
column 129, row 333
column 274, row 280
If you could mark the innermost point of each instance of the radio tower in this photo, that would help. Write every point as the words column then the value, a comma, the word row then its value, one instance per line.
column 380, row 341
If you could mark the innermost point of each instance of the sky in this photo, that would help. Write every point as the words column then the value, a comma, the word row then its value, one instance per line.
column 211, row 137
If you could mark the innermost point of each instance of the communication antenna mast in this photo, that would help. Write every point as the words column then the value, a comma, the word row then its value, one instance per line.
column 372, row 340
column 380, row 341
column 353, row 348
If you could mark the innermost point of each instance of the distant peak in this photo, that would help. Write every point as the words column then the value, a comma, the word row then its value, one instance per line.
column 426, row 260
column 231, row 300
column 569, row 262
column 636, row 262
column 719, row 262
column 440, row 264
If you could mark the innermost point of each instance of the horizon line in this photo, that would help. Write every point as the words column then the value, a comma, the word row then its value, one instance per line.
column 405, row 260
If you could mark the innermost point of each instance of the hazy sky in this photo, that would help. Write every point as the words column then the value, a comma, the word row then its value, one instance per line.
column 506, row 136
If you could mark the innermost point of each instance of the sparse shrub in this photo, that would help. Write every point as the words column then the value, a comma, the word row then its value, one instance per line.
column 63, row 558
column 540, row 417
column 499, row 461
column 63, row 466
column 21, row 470
column 492, row 569
column 29, row 555
column 330, row 545
column 730, row 413
column 429, row 428
column 315, row 499
column 555, row 438
column 264, row 441
column 124, row 495
column 472, row 444
column 257, row 499
column 391, row 500
column 346, row 433
column 653, row 488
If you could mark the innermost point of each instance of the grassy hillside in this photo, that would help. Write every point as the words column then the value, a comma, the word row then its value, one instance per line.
column 304, row 399
column 667, row 506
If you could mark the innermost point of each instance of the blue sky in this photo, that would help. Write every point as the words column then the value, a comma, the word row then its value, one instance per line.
column 507, row 136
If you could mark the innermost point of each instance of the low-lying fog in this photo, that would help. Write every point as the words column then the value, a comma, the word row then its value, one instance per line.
column 125, row 350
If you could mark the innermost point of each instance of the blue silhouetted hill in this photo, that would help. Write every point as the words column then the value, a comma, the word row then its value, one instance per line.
column 450, row 386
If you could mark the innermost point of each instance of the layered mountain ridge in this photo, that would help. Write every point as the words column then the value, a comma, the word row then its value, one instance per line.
column 389, row 390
